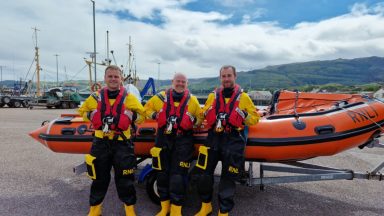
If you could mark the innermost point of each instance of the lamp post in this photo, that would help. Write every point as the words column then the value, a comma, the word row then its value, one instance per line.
column 57, row 70
column 1, row 67
column 94, row 37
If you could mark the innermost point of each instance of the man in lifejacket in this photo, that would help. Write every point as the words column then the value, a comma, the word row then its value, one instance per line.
column 112, row 111
column 176, row 112
column 227, row 110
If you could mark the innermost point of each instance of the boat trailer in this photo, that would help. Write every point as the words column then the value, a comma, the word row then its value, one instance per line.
column 301, row 172
column 305, row 172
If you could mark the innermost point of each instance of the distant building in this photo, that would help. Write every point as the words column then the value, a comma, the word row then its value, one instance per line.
column 317, row 90
column 379, row 94
column 367, row 93
column 262, row 98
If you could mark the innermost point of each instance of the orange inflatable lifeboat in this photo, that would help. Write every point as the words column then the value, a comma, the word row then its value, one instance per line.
column 296, row 126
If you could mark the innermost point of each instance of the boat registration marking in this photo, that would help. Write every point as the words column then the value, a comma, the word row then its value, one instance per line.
column 326, row 177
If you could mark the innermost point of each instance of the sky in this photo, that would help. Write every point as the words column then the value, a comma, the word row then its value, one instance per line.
column 195, row 37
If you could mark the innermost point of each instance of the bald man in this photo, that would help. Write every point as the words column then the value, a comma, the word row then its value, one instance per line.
column 176, row 112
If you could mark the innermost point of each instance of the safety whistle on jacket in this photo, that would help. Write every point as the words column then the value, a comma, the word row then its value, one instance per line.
column 219, row 127
column 105, row 128
column 169, row 129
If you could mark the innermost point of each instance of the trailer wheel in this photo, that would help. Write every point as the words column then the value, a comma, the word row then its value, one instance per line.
column 64, row 105
column 16, row 104
column 72, row 105
column 25, row 103
column 151, row 188
column 49, row 107
column 6, row 100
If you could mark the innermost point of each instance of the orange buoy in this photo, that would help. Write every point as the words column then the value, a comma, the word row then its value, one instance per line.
column 95, row 87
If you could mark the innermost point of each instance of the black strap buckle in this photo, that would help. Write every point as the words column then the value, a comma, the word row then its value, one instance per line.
column 108, row 120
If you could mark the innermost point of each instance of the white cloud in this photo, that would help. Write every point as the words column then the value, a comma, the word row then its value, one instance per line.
column 359, row 9
column 140, row 8
column 249, row 18
column 379, row 8
column 236, row 3
column 187, row 41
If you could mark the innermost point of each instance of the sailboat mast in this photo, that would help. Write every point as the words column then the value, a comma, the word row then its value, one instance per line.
column 108, row 60
column 37, row 63
column 129, row 58
column 135, row 79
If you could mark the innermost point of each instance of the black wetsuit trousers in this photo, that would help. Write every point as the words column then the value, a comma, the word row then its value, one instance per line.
column 120, row 156
column 176, row 156
column 229, row 148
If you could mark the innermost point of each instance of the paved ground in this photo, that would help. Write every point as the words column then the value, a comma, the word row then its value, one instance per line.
column 36, row 181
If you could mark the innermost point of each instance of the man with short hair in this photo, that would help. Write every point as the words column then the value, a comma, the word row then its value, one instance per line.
column 226, row 110
column 112, row 111
column 176, row 112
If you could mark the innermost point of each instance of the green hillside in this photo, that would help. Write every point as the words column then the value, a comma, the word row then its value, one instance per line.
column 332, row 74
column 341, row 71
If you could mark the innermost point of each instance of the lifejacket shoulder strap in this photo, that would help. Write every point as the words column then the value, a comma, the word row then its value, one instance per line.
column 117, row 106
column 220, row 100
column 217, row 99
column 235, row 99
column 101, row 101
column 182, row 108
column 168, row 101
column 171, row 106
column 120, row 103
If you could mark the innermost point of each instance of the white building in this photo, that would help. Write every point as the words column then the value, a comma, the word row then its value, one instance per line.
column 379, row 94
column 260, row 97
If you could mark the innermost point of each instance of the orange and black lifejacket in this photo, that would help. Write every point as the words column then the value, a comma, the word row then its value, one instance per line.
column 116, row 116
column 179, row 116
column 223, row 112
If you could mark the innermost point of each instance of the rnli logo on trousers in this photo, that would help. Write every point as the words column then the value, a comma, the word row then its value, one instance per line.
column 128, row 172
column 184, row 164
column 233, row 169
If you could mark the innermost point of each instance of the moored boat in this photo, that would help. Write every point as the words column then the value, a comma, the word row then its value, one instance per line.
column 297, row 126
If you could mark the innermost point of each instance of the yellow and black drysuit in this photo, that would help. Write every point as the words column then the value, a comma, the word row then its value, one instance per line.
column 226, row 111
column 176, row 114
column 111, row 114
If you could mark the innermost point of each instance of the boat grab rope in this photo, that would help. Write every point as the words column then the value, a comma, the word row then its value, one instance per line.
column 367, row 117
column 294, row 108
column 315, row 106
